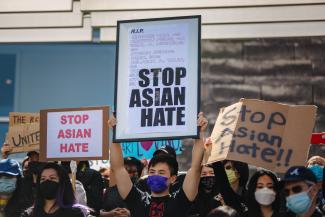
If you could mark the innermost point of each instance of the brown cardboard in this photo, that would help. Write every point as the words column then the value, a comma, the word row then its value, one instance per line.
column 24, row 138
column 22, row 118
column 263, row 133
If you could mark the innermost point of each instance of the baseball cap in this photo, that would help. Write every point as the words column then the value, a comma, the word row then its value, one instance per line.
column 30, row 153
column 166, row 150
column 298, row 173
column 134, row 161
column 10, row 167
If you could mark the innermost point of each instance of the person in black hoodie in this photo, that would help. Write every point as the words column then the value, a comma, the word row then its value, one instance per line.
column 217, row 191
column 93, row 184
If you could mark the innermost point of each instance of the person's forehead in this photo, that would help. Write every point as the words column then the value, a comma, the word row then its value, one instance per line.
column 264, row 179
column 49, row 172
column 315, row 161
column 207, row 169
column 160, row 166
column 229, row 163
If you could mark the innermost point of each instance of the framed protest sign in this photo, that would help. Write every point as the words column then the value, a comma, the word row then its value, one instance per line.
column 74, row 134
column 157, row 80
column 266, row 134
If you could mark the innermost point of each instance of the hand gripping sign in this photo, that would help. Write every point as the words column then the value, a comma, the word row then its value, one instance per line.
column 263, row 133
column 74, row 134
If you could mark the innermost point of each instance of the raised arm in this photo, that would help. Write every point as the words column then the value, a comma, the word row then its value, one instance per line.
column 192, row 178
column 123, row 181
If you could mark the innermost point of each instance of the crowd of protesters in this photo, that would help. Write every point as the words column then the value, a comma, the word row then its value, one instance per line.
column 134, row 188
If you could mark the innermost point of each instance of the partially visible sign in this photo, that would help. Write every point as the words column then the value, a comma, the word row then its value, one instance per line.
column 24, row 132
column 145, row 149
column 318, row 138
column 19, row 118
column 98, row 164
column 266, row 134
column 77, row 133
column 24, row 138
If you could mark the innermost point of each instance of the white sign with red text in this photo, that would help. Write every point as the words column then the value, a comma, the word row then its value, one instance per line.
column 75, row 134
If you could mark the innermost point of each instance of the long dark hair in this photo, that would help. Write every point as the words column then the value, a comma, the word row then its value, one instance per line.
column 64, row 197
column 254, row 208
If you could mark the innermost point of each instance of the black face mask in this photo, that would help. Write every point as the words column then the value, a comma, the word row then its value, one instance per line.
column 49, row 189
column 207, row 182
column 134, row 179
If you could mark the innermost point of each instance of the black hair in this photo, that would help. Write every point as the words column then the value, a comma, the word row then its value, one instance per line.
column 223, row 211
column 254, row 208
column 26, row 159
column 132, row 161
column 242, row 169
column 169, row 160
column 65, row 195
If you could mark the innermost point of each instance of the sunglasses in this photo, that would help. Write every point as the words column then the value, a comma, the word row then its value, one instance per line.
column 295, row 190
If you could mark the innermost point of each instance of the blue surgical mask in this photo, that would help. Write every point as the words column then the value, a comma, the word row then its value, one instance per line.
column 318, row 171
column 299, row 203
column 7, row 186
column 157, row 184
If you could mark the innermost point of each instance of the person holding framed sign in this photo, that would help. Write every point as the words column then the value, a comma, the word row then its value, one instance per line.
column 161, row 175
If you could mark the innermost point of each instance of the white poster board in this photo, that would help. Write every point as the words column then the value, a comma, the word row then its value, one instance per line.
column 157, row 78
column 74, row 134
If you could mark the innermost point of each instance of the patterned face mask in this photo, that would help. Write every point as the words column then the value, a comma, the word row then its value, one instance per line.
column 7, row 186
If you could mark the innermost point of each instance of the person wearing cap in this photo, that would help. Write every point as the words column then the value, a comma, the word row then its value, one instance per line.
column 10, row 187
column 134, row 168
column 300, row 189
column 316, row 165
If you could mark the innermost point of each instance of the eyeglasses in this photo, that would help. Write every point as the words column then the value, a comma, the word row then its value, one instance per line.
column 295, row 190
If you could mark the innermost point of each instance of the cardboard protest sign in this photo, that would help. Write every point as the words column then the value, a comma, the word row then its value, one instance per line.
column 74, row 134
column 266, row 134
column 20, row 118
column 24, row 132
column 24, row 138
column 145, row 149
column 157, row 79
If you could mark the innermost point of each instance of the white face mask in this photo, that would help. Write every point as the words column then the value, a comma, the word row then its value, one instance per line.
column 265, row 196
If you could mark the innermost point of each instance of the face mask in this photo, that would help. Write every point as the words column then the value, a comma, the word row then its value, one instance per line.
column 231, row 175
column 7, row 186
column 157, row 184
column 318, row 171
column 265, row 196
column 207, row 182
column 134, row 179
column 299, row 203
column 48, row 189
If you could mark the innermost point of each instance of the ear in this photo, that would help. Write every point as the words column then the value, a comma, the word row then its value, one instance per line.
column 173, row 179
